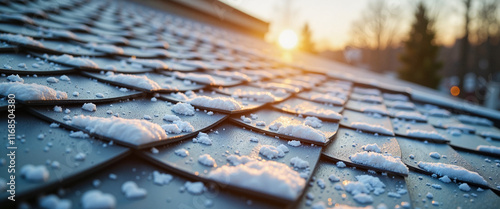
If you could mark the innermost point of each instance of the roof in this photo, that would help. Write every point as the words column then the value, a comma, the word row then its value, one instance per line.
column 116, row 105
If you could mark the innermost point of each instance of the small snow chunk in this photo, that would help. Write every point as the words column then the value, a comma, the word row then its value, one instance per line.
column 31, row 91
column 207, row 160
column 429, row 195
column 58, row 109
column 254, row 139
column 424, row 134
column 161, row 178
column 182, row 152
column 78, row 134
column 95, row 199
column 134, row 80
column 154, row 150
column 195, row 188
column 64, row 78
column 371, row 148
column 271, row 152
column 183, row 109
column 32, row 173
column 89, row 107
column 80, row 156
column 452, row 171
column 464, row 187
column 222, row 103
column 236, row 160
column 15, row 78
column 52, row 201
column 246, row 119
column 297, row 162
column 380, row 161
column 301, row 131
column 363, row 198
column 132, row 191
column 294, row 143
column 203, row 139
column 54, row 125
column 340, row 164
column 435, row 155
column 52, row 80
column 489, row 149
column 313, row 122
column 371, row 128
column 171, row 118
column 333, row 178
column 445, row 179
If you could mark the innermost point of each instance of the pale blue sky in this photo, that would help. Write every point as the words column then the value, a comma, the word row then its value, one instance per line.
column 330, row 20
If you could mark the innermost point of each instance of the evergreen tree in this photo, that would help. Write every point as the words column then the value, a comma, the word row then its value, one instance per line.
column 306, row 43
column 420, row 64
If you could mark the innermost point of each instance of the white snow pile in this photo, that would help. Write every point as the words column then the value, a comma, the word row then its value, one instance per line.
column 380, row 161
column 372, row 128
column 313, row 122
column 194, row 187
column 319, row 112
column 474, row 120
column 222, row 103
column 272, row 152
column 78, row 134
column 183, row 109
column 464, row 187
column 202, row 138
column 135, row 131
column 20, row 39
column 236, row 160
column 89, row 107
column 435, row 155
column 298, row 162
column 53, row 201
column 362, row 188
column 95, row 199
column 294, row 143
column 453, row 171
column 161, row 178
column 258, row 175
column 74, row 61
column 439, row 112
column 35, row 173
column 326, row 98
column 489, row 149
column 395, row 97
column 105, row 48
column 15, row 78
column 182, row 152
column 31, row 91
column 207, row 160
column 140, row 81
column 171, row 118
column 372, row 148
column 132, row 191
column 260, row 96
column 424, row 134
column 411, row 116
column 178, row 126
column 299, row 131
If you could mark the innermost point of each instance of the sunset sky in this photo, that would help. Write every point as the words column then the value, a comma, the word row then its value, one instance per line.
column 330, row 20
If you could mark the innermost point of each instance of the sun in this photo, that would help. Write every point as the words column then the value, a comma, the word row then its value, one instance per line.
column 288, row 39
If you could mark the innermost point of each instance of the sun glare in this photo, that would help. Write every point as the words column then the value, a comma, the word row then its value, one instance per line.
column 288, row 39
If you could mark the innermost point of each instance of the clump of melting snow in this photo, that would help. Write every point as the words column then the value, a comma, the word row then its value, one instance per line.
column 64, row 78
column 452, row 171
column 74, row 61
column 371, row 148
column 333, row 178
column 15, row 78
column 299, row 131
column 140, row 81
column 171, row 118
column 411, row 116
column 260, row 96
column 35, row 173
column 320, row 112
column 380, row 161
column 340, row 164
column 236, row 160
column 425, row 134
column 489, row 149
column 258, row 175
column 272, row 152
column 78, row 134
column 222, row 103
column 95, row 199
column 195, row 188
column 161, row 178
column 464, row 187
column 89, row 107
column 182, row 152
column 254, row 139
column 52, row 80
column 20, row 39
column 294, row 143
column 53, row 201
column 183, row 109
column 202, row 138
column 132, row 191
column 127, row 130
column 445, row 179
column 207, row 160
column 313, row 122
column 31, row 91
column 57, row 109
column 474, row 120
column 435, row 155
column 362, row 188
column 298, row 162
column 372, row 128
column 178, row 126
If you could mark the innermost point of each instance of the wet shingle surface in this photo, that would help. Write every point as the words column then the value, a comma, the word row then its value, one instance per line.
column 151, row 110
